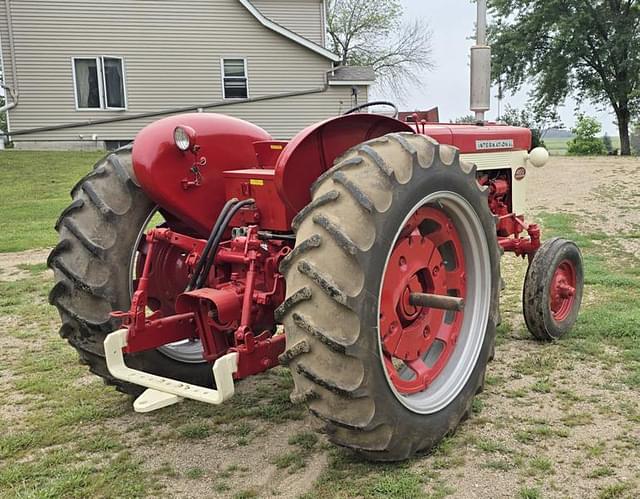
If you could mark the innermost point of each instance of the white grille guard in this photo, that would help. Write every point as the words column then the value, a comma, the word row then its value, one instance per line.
column 164, row 391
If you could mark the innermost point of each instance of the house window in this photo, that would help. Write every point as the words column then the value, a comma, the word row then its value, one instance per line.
column 234, row 79
column 99, row 83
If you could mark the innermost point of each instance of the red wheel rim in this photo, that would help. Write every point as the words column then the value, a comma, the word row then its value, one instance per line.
column 417, row 342
column 562, row 291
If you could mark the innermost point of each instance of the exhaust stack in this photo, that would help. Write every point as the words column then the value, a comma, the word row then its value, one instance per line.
column 481, row 67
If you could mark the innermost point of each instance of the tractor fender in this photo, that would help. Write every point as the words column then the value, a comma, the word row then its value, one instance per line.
column 313, row 151
column 166, row 173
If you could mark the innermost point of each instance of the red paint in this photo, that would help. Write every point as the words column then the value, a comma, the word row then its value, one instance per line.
column 262, row 355
column 465, row 137
column 167, row 276
column 562, row 293
column 314, row 149
column 417, row 265
column 268, row 152
column 235, row 311
column 430, row 116
column 164, row 172
column 515, row 243
column 258, row 184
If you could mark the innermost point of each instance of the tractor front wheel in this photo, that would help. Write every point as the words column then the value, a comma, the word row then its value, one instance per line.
column 552, row 290
column 397, row 218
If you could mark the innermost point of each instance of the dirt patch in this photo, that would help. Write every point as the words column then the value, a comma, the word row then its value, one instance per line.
column 569, row 442
column 605, row 193
column 229, row 469
column 10, row 263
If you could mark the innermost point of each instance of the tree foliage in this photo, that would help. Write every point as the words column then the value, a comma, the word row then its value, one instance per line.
column 365, row 33
column 587, row 141
column 539, row 121
column 586, row 48
column 469, row 119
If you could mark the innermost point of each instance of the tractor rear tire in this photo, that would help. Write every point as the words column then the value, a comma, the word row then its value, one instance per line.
column 98, row 234
column 557, row 264
column 336, row 277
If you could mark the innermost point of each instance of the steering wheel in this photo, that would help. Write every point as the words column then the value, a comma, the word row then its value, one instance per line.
column 375, row 103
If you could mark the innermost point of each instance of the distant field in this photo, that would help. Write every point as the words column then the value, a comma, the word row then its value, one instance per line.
column 558, row 147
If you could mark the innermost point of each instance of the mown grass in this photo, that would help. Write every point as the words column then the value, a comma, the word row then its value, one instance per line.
column 611, row 276
column 34, row 189
column 65, row 442
column 62, row 446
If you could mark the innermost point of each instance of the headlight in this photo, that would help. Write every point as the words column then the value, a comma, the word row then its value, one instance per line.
column 184, row 137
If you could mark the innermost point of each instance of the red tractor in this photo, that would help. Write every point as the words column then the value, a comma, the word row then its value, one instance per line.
column 364, row 254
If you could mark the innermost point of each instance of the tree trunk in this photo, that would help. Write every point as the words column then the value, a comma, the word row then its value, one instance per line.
column 624, row 118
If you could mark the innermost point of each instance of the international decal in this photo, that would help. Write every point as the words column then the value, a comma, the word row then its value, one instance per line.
column 484, row 145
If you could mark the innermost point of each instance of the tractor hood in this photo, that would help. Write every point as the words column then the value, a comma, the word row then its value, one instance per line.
column 478, row 138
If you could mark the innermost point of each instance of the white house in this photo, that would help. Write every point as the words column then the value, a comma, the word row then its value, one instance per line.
column 78, row 61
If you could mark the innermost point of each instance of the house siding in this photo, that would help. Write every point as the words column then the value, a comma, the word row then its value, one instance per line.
column 171, row 53
column 305, row 17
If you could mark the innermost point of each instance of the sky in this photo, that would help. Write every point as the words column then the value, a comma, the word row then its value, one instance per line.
column 447, row 85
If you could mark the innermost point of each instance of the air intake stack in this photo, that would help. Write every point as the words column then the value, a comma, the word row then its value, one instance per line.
column 481, row 66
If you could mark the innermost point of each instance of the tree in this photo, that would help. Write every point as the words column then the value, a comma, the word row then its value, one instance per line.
column 608, row 144
column 365, row 33
column 635, row 139
column 586, row 48
column 586, row 141
column 539, row 121
column 468, row 119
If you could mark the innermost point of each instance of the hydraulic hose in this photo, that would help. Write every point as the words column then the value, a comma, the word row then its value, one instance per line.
column 207, row 249
column 216, row 240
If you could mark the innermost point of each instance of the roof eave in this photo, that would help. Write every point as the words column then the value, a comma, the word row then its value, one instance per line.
column 351, row 82
column 269, row 24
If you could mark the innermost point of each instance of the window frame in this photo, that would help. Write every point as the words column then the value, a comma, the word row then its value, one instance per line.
column 104, row 83
column 75, row 84
column 223, row 77
column 101, row 83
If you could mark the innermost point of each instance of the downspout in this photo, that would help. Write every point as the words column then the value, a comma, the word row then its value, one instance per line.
column 14, row 98
column 12, row 47
column 10, row 91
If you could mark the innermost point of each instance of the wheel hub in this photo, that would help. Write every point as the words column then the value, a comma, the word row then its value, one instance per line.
column 417, row 341
column 563, row 290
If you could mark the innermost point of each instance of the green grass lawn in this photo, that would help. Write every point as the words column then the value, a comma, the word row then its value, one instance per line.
column 64, row 434
column 34, row 189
